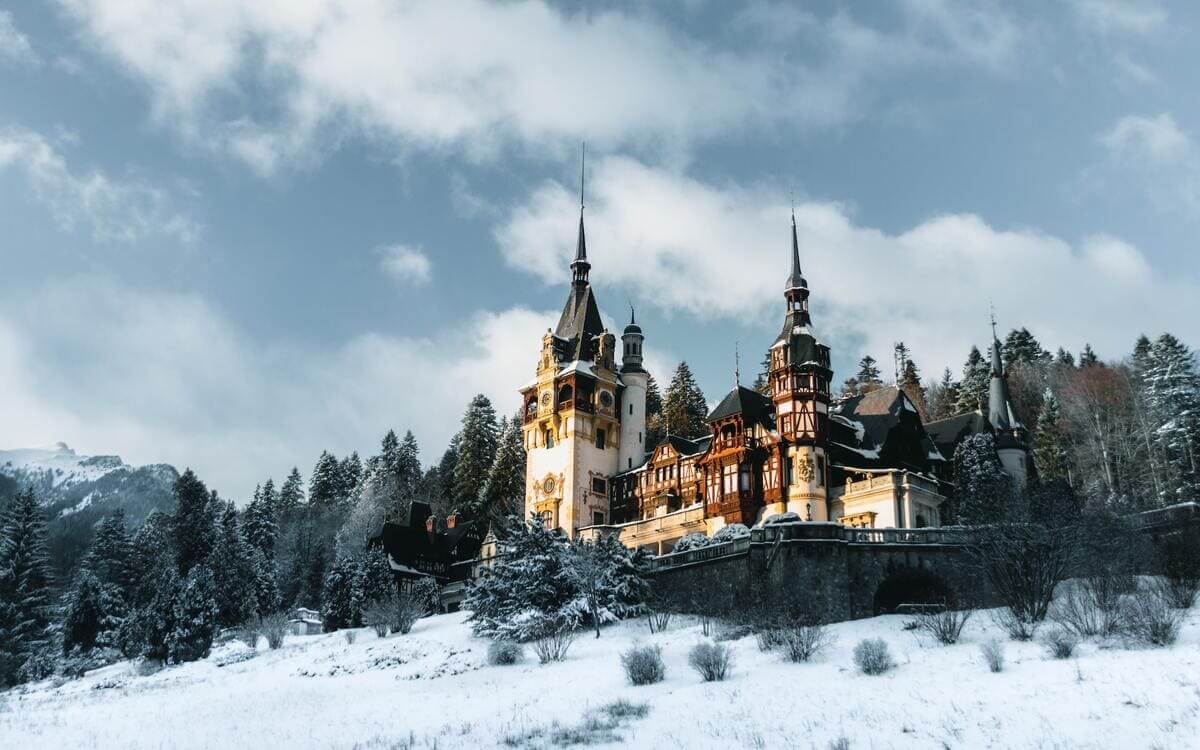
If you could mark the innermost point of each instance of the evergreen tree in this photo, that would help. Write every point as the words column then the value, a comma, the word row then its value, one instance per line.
column 325, row 484
column 266, row 591
column 93, row 614
column 152, row 551
column 973, row 389
column 110, row 557
column 25, row 587
column 1064, row 359
column 868, row 376
column 1088, row 358
column 259, row 526
column 609, row 579
column 762, row 381
column 531, row 592
column 396, row 473
column 378, row 582
column 291, row 494
column 314, row 576
column 149, row 630
column 504, row 491
column 446, row 467
column 341, row 595
column 655, row 429
column 1022, row 348
column 1172, row 392
column 233, row 575
column 684, row 409
column 1049, row 455
column 983, row 491
column 270, row 498
column 910, row 381
column 194, row 532
column 195, row 617
column 943, row 397
column 350, row 472
column 477, row 443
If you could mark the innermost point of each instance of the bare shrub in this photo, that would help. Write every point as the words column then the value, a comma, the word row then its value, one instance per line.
column 350, row 636
column 711, row 660
column 406, row 609
column 249, row 631
column 622, row 710
column 504, row 653
column 644, row 665
column 1181, row 591
column 872, row 656
column 1024, row 563
column 659, row 619
column 378, row 616
column 944, row 626
column 1060, row 643
column 274, row 628
column 993, row 654
column 841, row 743
column 804, row 641
column 1018, row 628
column 1150, row 617
column 770, row 638
column 1089, row 606
column 553, row 646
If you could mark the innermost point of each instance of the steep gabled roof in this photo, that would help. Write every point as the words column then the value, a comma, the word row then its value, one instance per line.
column 880, row 429
column 752, row 405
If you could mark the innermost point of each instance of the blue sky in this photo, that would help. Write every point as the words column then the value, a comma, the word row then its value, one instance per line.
column 234, row 236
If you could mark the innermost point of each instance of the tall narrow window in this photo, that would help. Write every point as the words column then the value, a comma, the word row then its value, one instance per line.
column 600, row 439
column 548, row 438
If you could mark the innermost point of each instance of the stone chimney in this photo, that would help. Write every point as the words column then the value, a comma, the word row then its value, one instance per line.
column 452, row 520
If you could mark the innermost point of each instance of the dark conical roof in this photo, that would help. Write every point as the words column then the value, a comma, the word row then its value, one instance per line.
column 741, row 400
column 633, row 327
column 796, row 279
column 999, row 404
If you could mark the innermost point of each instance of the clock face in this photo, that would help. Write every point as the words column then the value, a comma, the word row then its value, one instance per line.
column 606, row 399
column 546, row 398
column 548, row 486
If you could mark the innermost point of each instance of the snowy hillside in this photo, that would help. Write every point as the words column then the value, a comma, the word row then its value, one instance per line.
column 434, row 688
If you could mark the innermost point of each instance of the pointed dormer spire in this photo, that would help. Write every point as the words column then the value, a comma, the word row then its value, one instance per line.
column 999, row 404
column 796, row 279
column 580, row 266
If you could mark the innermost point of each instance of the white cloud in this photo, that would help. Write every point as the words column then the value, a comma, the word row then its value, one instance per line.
column 406, row 264
column 1158, row 138
column 1121, row 16
column 14, row 46
column 123, row 210
column 166, row 377
column 478, row 76
column 722, row 251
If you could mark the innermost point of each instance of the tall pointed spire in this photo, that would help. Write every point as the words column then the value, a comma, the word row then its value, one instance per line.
column 999, row 405
column 580, row 266
column 796, row 279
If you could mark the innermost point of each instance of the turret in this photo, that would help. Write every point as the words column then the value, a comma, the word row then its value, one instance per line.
column 633, row 396
column 1012, row 440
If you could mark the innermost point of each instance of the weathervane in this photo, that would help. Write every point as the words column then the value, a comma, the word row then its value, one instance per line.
column 582, row 167
column 737, row 366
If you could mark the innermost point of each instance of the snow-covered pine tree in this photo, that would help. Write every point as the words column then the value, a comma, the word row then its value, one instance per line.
column 1172, row 388
column 943, row 397
column 193, row 528
column 291, row 495
column 684, row 408
column 504, row 491
column 233, row 575
column 259, row 526
column 1049, row 453
column 195, row 617
column 92, row 615
column 530, row 591
column 445, row 474
column 350, row 473
column 25, row 587
column 148, row 630
column 762, row 381
column 378, row 581
column 110, row 558
column 325, row 484
column 266, row 590
column 910, row 383
column 983, row 490
column 408, row 474
column 151, row 550
column 341, row 596
column 609, row 579
column 973, row 389
column 477, row 442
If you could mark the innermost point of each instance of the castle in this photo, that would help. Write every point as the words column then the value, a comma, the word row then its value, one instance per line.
column 863, row 461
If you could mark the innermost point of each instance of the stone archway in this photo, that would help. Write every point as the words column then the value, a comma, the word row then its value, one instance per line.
column 904, row 586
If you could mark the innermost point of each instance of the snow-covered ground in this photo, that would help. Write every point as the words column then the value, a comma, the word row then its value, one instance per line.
column 433, row 688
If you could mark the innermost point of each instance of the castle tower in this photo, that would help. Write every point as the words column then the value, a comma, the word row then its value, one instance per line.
column 1012, row 439
column 799, row 379
column 571, row 420
column 633, row 397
